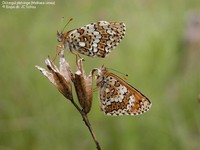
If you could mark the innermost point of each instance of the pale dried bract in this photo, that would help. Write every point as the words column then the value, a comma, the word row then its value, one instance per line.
column 59, row 77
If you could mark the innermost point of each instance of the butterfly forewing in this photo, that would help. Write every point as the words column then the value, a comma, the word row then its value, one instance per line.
column 117, row 97
column 95, row 39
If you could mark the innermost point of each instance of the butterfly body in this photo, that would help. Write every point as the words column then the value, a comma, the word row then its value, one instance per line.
column 117, row 97
column 95, row 39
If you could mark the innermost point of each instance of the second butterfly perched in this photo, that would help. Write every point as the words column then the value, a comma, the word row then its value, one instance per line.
column 117, row 97
column 95, row 39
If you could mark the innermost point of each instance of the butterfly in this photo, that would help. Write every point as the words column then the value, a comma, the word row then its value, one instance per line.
column 95, row 39
column 117, row 97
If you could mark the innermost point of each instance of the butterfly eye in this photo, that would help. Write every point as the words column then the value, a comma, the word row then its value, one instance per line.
column 97, row 77
column 59, row 36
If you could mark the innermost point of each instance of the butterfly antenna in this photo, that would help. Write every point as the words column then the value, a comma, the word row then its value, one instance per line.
column 66, row 24
column 119, row 72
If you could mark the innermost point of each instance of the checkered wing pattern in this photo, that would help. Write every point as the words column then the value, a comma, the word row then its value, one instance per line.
column 117, row 97
column 95, row 39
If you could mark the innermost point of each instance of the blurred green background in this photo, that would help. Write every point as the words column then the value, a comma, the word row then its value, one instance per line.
column 160, row 53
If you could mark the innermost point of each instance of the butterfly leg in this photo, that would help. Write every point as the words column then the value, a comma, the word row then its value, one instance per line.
column 77, row 56
column 95, row 89
column 58, row 50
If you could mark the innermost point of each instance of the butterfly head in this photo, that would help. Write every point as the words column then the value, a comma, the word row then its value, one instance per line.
column 60, row 36
column 101, row 70
column 100, row 75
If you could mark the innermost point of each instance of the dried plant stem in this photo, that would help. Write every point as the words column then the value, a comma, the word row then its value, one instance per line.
column 87, row 123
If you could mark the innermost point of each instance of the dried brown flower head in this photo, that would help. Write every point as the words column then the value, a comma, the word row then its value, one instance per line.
column 63, row 77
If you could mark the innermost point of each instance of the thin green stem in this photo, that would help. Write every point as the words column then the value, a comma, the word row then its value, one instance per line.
column 87, row 123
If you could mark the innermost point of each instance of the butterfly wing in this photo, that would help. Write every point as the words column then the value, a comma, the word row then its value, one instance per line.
column 96, row 39
column 117, row 97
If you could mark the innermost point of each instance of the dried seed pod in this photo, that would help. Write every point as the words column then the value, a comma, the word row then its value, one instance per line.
column 83, row 87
